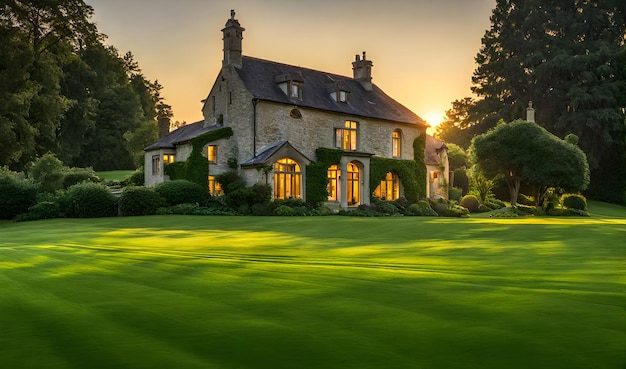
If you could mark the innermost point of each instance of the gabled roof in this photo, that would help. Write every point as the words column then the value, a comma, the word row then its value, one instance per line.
column 182, row 134
column 431, row 150
column 260, row 78
column 270, row 150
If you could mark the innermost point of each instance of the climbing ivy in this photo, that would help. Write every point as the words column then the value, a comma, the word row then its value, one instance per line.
column 419, row 145
column 317, row 174
column 196, row 168
column 407, row 171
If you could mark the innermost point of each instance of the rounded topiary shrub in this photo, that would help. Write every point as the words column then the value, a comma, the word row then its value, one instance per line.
column 140, row 201
column 471, row 203
column 89, row 200
column 421, row 208
column 574, row 201
column 16, row 196
column 284, row 210
column 41, row 210
column 182, row 192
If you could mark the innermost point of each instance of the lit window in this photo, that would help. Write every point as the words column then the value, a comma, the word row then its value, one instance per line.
column 396, row 143
column 168, row 158
column 333, row 183
column 287, row 179
column 345, row 138
column 389, row 188
column 211, row 153
column 295, row 90
column 215, row 189
column 354, row 185
column 156, row 164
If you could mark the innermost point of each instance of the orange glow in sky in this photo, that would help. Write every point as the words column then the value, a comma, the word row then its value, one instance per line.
column 423, row 51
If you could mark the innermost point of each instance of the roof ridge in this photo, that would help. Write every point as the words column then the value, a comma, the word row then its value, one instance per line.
column 299, row 67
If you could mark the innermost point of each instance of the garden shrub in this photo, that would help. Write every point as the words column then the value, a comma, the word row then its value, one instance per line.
column 455, row 193
column 41, row 210
column 402, row 204
column 421, row 208
column 525, row 200
column 495, row 204
column 262, row 209
column 140, row 201
column 16, row 196
column 574, row 201
column 192, row 209
column 89, row 200
column 383, row 207
column 230, row 181
column 471, row 203
column 79, row 175
column 560, row 212
column 284, row 210
column 137, row 178
column 182, row 191
column 448, row 209
column 461, row 180
column 48, row 172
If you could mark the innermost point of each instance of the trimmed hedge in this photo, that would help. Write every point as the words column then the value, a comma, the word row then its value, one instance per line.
column 140, row 201
column 89, row 200
column 471, row 203
column 182, row 191
column 574, row 201
column 16, row 196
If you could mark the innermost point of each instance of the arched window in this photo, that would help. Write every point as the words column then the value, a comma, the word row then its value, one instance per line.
column 396, row 143
column 287, row 179
column 389, row 188
column 333, row 183
column 354, row 185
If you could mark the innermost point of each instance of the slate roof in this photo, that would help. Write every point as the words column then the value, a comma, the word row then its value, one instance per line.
column 182, row 134
column 267, row 151
column 261, row 78
column 431, row 150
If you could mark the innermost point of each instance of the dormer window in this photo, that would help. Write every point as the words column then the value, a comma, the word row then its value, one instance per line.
column 295, row 90
column 291, row 84
column 342, row 96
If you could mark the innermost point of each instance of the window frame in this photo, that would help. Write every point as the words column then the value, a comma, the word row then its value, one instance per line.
column 294, row 89
column 386, row 184
column 287, row 179
column 211, row 154
column 156, row 165
column 396, row 143
column 346, row 138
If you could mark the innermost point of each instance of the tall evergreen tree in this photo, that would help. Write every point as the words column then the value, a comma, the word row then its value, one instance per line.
column 567, row 57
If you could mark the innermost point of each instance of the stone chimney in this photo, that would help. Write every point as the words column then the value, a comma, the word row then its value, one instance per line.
column 530, row 112
column 362, row 70
column 233, row 34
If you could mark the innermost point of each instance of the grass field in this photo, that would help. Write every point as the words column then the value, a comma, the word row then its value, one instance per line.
column 115, row 175
column 315, row 292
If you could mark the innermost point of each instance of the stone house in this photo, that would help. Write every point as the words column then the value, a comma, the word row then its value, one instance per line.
column 281, row 115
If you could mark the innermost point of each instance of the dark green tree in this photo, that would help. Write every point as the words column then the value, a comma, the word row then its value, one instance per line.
column 567, row 56
column 540, row 160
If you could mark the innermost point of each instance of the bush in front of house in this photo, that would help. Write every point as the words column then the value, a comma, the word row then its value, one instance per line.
column 574, row 201
column 79, row 175
column 41, row 210
column 88, row 200
column 137, row 178
column 471, row 203
column 421, row 208
column 248, row 197
column 182, row 191
column 140, row 201
column 384, row 207
column 455, row 193
column 446, row 208
column 17, row 195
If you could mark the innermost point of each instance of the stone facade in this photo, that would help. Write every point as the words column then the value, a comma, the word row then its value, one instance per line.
column 278, row 112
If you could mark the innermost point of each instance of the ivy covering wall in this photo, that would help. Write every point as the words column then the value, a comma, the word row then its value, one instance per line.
column 419, row 145
column 407, row 171
column 317, row 174
column 196, row 167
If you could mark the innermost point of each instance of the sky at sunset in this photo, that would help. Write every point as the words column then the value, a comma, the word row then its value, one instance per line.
column 423, row 50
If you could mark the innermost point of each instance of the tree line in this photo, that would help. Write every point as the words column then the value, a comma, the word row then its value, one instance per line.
column 567, row 57
column 63, row 90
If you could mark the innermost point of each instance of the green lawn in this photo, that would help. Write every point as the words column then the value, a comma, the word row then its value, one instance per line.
column 315, row 292
column 115, row 175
